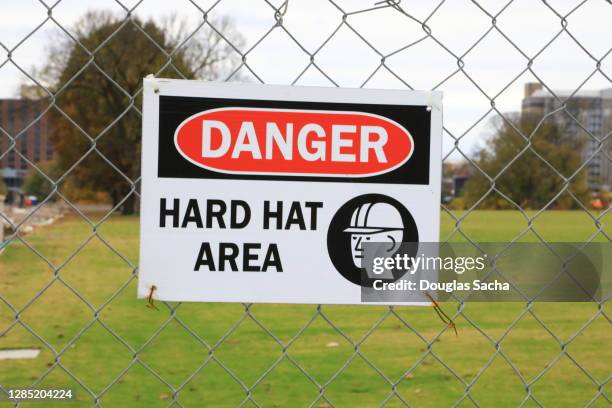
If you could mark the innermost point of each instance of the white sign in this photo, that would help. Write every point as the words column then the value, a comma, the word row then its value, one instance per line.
column 257, row 193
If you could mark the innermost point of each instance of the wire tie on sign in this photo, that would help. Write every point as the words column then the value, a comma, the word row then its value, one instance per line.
column 442, row 315
column 150, row 299
column 155, row 86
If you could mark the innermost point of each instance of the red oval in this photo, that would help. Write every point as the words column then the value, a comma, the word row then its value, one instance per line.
column 293, row 142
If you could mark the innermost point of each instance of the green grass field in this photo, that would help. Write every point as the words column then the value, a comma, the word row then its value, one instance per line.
column 136, row 345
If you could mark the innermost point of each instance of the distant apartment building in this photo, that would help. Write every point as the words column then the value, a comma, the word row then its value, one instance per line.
column 18, row 119
column 593, row 110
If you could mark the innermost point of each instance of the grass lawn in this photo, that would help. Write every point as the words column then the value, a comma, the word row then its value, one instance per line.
column 147, row 353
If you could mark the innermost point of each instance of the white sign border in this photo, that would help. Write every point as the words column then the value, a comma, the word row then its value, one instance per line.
column 153, row 88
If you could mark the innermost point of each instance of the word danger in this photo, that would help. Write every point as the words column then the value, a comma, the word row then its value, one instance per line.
column 237, row 214
column 293, row 142
column 312, row 142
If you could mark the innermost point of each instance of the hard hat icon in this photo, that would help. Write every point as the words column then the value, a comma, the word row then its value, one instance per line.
column 371, row 218
column 366, row 227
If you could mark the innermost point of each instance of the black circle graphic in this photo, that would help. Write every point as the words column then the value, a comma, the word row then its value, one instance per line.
column 339, row 240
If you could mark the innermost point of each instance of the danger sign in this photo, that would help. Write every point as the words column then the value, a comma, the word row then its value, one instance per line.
column 254, row 193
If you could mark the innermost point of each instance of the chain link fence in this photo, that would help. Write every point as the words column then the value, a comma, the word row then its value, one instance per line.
column 125, row 353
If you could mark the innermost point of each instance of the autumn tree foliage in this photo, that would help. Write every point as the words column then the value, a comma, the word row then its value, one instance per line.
column 96, row 77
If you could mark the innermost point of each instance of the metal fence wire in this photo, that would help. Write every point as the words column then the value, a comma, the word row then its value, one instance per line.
column 378, row 62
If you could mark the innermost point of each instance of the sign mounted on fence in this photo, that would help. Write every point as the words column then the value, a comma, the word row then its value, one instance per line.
column 256, row 193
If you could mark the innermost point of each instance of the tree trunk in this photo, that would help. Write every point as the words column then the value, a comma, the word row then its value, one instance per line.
column 129, row 205
column 114, row 198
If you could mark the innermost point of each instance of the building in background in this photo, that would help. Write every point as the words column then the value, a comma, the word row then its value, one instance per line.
column 593, row 110
column 18, row 118
column 454, row 177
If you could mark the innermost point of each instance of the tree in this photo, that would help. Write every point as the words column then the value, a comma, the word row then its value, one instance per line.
column 528, row 181
column 97, row 81
column 36, row 184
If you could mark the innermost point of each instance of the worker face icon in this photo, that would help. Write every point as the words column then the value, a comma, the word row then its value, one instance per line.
column 357, row 241
column 374, row 222
column 370, row 218
column 392, row 240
